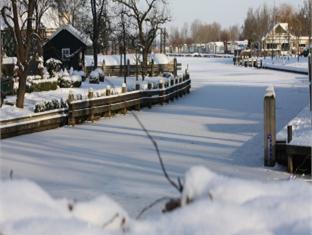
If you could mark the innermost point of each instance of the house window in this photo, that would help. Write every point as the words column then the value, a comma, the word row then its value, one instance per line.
column 65, row 53
column 285, row 47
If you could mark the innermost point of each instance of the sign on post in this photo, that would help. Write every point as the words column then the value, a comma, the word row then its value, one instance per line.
column 269, row 127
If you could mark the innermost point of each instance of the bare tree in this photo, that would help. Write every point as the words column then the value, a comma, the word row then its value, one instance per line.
column 124, row 38
column 18, row 18
column 98, row 9
column 306, row 11
column 149, row 16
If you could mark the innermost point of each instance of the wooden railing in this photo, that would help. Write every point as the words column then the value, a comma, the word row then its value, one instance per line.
column 94, row 108
column 33, row 123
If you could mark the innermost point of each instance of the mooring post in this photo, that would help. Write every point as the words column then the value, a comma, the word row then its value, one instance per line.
column 161, row 91
column 90, row 96
column 71, row 119
column 269, row 127
column 137, row 86
column 289, row 133
column 152, row 68
column 310, row 80
column 108, row 93
column 124, row 90
column 175, row 67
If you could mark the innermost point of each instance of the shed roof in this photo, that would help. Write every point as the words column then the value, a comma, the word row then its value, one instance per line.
column 75, row 32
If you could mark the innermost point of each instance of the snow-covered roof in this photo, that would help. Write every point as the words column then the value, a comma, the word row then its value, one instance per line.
column 219, row 44
column 75, row 32
column 284, row 26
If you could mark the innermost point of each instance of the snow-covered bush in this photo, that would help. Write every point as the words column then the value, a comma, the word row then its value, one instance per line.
column 50, row 105
column 64, row 79
column 80, row 73
column 76, row 80
column 53, row 65
column 67, row 81
column 96, row 76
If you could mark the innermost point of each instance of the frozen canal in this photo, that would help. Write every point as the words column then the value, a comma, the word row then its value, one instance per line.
column 218, row 125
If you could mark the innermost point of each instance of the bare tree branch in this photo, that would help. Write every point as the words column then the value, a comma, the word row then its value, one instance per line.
column 179, row 188
column 151, row 205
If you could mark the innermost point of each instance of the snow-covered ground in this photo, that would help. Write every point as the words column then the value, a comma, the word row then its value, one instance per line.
column 232, row 207
column 290, row 63
column 218, row 125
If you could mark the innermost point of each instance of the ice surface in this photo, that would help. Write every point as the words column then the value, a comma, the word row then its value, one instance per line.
column 219, row 125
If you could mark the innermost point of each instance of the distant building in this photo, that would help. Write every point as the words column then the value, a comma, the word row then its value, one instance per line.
column 281, row 41
column 68, row 45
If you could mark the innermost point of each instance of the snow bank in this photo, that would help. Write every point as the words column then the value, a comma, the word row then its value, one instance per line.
column 289, row 63
column 302, row 129
column 27, row 209
column 234, row 207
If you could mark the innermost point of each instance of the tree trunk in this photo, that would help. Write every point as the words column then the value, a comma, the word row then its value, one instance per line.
column 21, row 89
column 144, row 63
column 95, row 52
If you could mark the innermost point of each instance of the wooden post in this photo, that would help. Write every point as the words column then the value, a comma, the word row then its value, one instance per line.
column 310, row 80
column 171, row 81
column 103, row 66
column 137, row 86
column 108, row 93
column 175, row 69
column 269, row 127
column 161, row 84
column 161, row 91
column 124, row 90
column 289, row 133
column 152, row 68
column 71, row 119
column 90, row 96
column 149, row 86
column 128, row 68
column 108, row 90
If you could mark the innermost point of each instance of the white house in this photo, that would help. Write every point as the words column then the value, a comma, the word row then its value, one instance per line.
column 280, row 40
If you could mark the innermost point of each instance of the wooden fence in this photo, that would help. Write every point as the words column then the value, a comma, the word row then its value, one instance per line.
column 133, row 70
column 94, row 108
column 33, row 123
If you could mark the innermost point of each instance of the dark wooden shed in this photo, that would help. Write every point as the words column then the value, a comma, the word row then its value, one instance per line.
column 68, row 45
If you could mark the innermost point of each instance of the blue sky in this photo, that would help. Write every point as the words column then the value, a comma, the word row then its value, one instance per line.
column 226, row 12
